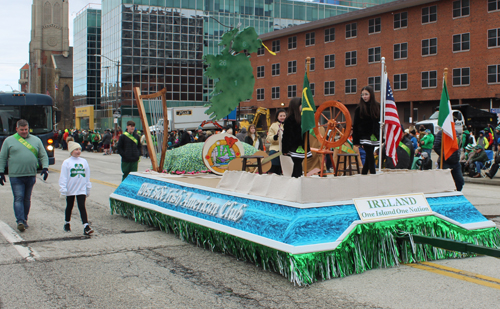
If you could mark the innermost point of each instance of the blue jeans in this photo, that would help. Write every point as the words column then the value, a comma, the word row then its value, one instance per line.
column 479, row 166
column 22, row 188
column 429, row 151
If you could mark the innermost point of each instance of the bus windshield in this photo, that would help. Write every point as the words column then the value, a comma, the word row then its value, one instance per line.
column 39, row 118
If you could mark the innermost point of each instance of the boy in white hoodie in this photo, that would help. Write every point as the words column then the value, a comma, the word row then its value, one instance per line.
column 75, row 181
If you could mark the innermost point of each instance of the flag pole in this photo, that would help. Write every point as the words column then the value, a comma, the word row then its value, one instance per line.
column 445, row 75
column 308, row 62
column 382, row 107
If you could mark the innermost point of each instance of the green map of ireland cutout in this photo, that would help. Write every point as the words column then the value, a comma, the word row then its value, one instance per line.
column 232, row 71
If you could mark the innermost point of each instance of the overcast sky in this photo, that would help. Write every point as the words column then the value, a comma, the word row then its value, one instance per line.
column 15, row 25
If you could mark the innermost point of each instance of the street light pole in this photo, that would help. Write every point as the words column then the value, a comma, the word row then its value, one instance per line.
column 115, row 103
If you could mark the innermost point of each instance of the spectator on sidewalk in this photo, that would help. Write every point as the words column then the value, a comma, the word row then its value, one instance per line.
column 144, row 145
column 478, row 159
column 427, row 142
column 106, row 142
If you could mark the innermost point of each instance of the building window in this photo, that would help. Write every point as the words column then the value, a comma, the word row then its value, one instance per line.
column 330, row 88
column 400, row 81
column 401, row 51
column 429, row 47
column 275, row 69
column 276, row 46
column 374, row 82
column 493, row 5
column 260, row 71
column 275, row 93
column 350, row 58
column 429, row 79
column 311, row 87
column 373, row 54
column 329, row 61
column 260, row 94
column 461, row 8
column 260, row 51
column 401, row 20
column 461, row 77
column 329, row 35
column 494, row 74
column 292, row 67
column 429, row 14
column 292, row 42
column 494, row 37
column 312, row 64
column 461, row 42
column 374, row 25
column 350, row 86
column 350, row 30
column 310, row 38
column 292, row 91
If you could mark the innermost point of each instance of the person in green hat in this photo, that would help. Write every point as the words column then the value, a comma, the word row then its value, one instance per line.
column 479, row 158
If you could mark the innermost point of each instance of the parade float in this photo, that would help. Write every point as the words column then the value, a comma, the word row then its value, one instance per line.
column 308, row 228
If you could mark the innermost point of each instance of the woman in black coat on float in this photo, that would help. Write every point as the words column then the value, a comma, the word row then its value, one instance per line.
column 366, row 127
column 292, row 143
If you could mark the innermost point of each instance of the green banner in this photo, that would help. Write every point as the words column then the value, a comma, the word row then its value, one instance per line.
column 308, row 107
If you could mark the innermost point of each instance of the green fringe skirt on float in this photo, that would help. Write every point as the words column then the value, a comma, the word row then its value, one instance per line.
column 302, row 244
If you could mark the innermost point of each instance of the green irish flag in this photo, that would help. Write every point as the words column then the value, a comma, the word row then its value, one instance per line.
column 308, row 108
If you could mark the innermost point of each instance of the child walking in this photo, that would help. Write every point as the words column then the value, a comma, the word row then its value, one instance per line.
column 75, row 182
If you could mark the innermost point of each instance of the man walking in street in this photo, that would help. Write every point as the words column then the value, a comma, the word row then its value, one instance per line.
column 129, row 148
column 22, row 151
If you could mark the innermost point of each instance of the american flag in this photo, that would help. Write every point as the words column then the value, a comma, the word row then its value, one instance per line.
column 57, row 88
column 393, row 131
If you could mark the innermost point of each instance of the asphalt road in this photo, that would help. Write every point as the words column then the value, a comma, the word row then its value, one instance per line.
column 129, row 265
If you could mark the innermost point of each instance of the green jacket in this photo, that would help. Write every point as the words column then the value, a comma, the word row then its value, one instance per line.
column 481, row 157
column 428, row 141
column 22, row 161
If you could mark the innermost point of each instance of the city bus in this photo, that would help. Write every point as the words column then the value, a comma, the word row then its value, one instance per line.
column 37, row 109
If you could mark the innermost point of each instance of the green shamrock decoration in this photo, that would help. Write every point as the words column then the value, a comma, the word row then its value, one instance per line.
column 78, row 170
column 232, row 71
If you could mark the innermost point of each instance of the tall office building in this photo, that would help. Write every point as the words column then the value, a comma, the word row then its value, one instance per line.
column 160, row 44
column 86, row 65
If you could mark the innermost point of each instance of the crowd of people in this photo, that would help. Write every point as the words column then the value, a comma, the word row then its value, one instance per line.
column 89, row 140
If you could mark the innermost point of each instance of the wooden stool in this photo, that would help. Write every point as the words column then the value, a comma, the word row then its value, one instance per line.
column 349, row 158
column 258, row 165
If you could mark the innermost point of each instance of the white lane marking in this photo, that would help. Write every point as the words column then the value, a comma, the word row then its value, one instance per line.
column 28, row 253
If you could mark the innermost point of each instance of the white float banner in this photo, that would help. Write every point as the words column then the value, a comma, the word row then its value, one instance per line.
column 392, row 206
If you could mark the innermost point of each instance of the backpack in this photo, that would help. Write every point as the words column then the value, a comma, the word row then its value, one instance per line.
column 96, row 138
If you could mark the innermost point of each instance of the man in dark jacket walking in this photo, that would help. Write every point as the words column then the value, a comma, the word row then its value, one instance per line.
column 452, row 162
column 129, row 148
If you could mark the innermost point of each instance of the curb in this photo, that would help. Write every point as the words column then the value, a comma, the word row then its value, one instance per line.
column 485, row 181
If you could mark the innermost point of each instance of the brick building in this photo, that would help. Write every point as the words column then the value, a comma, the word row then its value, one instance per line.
column 23, row 77
column 418, row 38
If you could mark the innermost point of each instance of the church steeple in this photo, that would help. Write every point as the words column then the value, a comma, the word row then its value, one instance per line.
column 49, row 35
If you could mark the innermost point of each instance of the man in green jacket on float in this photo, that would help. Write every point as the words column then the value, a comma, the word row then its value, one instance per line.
column 22, row 151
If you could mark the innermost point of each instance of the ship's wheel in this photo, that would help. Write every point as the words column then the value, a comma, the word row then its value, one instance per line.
column 334, row 117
